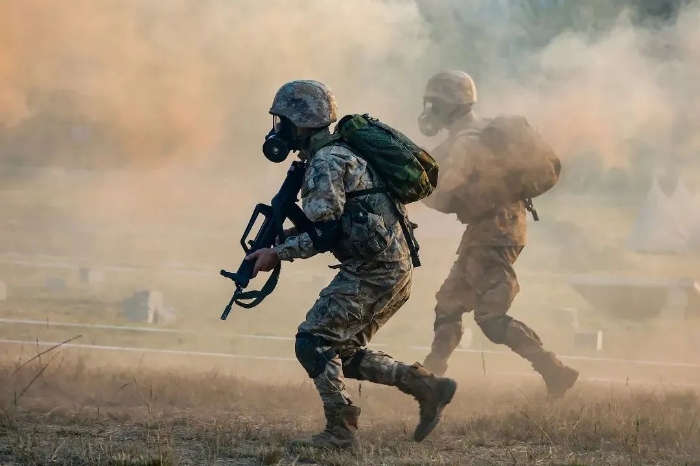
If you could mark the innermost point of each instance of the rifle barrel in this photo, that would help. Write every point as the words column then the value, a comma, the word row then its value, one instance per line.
column 235, row 296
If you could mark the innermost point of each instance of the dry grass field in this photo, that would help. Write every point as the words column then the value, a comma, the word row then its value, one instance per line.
column 58, row 410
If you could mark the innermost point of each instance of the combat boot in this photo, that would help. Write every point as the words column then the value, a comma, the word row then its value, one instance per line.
column 432, row 393
column 340, row 432
column 558, row 377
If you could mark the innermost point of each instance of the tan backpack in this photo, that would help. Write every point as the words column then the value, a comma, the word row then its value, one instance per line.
column 532, row 166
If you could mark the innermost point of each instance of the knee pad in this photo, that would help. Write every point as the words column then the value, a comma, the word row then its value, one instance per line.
column 451, row 319
column 313, row 352
column 351, row 365
column 496, row 328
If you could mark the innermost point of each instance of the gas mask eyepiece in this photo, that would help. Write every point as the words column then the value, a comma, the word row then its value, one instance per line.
column 428, row 121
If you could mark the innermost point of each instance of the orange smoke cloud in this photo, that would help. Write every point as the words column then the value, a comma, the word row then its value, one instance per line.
column 120, row 69
column 180, row 80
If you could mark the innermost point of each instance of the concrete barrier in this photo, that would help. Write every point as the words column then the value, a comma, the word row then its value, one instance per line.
column 640, row 298
column 90, row 276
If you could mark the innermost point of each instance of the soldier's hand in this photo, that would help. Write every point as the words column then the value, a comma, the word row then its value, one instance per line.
column 266, row 259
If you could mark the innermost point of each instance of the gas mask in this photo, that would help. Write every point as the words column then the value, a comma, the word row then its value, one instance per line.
column 279, row 141
column 428, row 121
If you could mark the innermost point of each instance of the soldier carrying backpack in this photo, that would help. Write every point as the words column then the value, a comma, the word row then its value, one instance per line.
column 356, row 183
column 489, row 172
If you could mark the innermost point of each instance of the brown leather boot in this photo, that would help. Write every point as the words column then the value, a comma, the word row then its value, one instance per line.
column 340, row 432
column 558, row 377
column 432, row 393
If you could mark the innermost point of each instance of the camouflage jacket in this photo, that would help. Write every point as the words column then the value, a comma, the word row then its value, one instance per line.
column 369, row 223
column 471, row 186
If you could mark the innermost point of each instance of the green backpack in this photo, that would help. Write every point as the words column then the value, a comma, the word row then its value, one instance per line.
column 408, row 171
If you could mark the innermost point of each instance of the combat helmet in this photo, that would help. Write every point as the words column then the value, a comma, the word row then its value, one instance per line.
column 306, row 103
column 452, row 86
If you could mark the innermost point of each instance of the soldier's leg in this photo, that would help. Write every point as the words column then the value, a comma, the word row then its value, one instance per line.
column 454, row 298
column 496, row 286
column 433, row 393
column 332, row 321
column 349, row 311
column 323, row 365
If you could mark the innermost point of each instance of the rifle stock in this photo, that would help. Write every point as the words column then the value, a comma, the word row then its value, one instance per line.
column 283, row 206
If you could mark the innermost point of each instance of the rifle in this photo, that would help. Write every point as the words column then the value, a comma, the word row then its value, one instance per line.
column 283, row 206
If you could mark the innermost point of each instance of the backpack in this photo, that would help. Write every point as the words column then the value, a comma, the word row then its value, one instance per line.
column 407, row 170
column 533, row 167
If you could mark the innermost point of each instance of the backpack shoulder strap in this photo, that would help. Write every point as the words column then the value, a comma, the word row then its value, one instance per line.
column 364, row 192
column 324, row 141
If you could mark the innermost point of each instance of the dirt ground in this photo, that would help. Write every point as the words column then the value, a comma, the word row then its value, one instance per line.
column 64, row 408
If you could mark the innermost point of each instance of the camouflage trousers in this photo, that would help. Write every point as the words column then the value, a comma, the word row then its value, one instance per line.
column 481, row 280
column 349, row 311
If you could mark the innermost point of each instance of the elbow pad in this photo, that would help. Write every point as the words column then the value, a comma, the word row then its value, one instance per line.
column 325, row 235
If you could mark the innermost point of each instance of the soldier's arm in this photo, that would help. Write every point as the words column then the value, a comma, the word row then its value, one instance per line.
column 323, row 202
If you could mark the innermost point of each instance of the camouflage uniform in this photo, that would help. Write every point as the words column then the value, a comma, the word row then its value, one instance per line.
column 373, row 282
column 483, row 279
column 365, row 293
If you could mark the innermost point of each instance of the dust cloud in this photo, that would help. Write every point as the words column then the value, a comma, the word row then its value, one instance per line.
column 185, row 86
column 592, row 77
column 175, row 94
column 182, row 80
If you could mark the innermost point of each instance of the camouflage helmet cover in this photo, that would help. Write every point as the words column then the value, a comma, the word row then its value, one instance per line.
column 307, row 103
column 452, row 86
